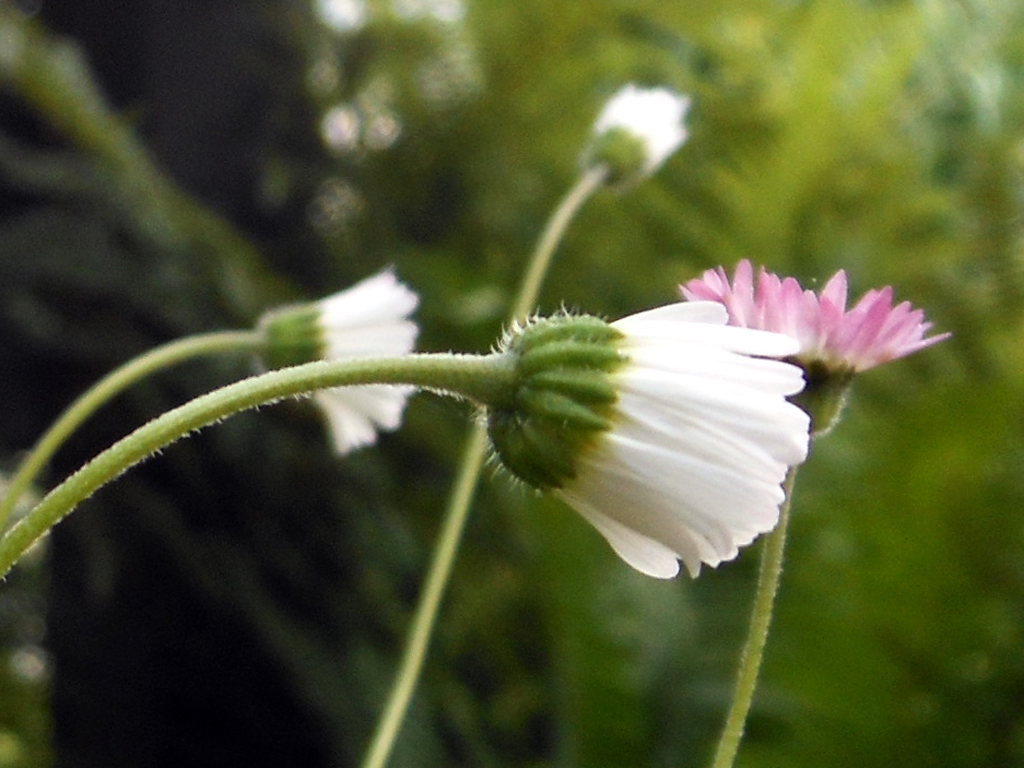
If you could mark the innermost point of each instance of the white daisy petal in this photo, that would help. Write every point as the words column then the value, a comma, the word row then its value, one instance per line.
column 700, row 442
column 379, row 300
column 356, row 414
column 648, row 556
column 370, row 319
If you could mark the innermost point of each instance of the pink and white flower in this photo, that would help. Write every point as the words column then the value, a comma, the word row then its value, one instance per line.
column 840, row 340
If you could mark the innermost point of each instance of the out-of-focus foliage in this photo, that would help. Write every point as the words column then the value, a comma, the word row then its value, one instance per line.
column 880, row 137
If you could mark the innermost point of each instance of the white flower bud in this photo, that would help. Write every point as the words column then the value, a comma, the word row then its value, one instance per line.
column 638, row 130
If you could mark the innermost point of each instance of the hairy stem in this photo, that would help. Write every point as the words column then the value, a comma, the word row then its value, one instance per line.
column 480, row 378
column 757, row 635
column 106, row 389
column 430, row 601
column 552, row 235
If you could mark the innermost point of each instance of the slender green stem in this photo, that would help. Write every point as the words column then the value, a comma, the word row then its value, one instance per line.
column 480, row 378
column 109, row 387
column 430, row 601
column 760, row 621
column 552, row 235
column 470, row 466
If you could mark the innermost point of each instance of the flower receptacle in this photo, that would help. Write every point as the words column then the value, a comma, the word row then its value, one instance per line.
column 624, row 154
column 563, row 397
column 293, row 336
column 824, row 396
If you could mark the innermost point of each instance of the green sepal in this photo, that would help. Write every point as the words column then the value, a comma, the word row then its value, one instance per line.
column 293, row 336
column 590, row 354
column 580, row 385
column 563, row 399
column 530, row 450
column 543, row 332
column 545, row 404
column 623, row 153
column 824, row 395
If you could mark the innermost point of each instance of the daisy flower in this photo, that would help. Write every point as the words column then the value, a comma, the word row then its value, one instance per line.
column 668, row 430
column 370, row 319
column 841, row 340
column 835, row 343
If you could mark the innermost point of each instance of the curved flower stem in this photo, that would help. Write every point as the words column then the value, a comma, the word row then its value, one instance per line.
column 481, row 378
column 470, row 465
column 109, row 387
column 757, row 636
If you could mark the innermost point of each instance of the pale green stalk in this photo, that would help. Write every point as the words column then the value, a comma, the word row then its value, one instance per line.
column 480, row 378
column 430, row 601
column 757, row 635
column 109, row 387
column 552, row 235
column 470, row 465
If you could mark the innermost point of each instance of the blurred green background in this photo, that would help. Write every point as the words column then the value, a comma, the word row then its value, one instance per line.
column 242, row 600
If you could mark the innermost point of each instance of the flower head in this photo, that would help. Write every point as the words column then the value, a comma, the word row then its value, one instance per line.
column 843, row 341
column 638, row 130
column 370, row 319
column 835, row 343
column 668, row 430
